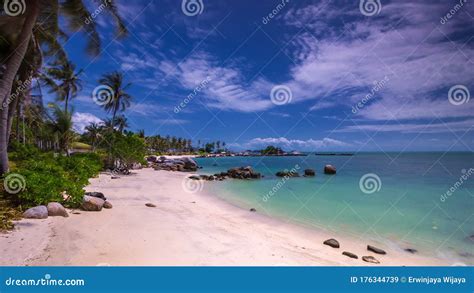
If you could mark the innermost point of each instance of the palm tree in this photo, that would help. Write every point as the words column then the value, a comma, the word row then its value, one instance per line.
column 69, row 80
column 120, row 99
column 93, row 132
column 61, row 125
column 38, row 30
column 121, row 123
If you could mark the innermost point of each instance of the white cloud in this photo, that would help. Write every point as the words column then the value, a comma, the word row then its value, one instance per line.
column 81, row 120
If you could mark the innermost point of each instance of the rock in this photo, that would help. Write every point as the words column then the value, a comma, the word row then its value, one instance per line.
column 253, row 210
column 152, row 159
column 96, row 194
column 350, row 254
column 194, row 177
column 150, row 205
column 287, row 174
column 470, row 238
column 243, row 173
column 375, row 249
column 108, row 205
column 309, row 173
column 136, row 166
column 115, row 177
column 92, row 204
column 329, row 169
column 190, row 164
column 55, row 209
column 411, row 250
column 332, row 242
column 370, row 259
column 39, row 212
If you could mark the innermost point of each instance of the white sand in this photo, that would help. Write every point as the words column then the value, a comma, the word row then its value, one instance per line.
column 184, row 229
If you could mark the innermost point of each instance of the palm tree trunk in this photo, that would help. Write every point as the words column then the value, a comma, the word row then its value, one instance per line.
column 12, row 65
column 66, row 101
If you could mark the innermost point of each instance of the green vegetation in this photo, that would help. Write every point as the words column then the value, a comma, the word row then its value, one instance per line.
column 271, row 150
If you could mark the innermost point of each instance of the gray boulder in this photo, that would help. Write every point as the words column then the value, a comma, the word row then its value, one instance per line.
column 350, row 254
column 370, row 259
column 108, row 205
column 55, row 209
column 332, row 242
column 39, row 212
column 92, row 204
column 375, row 249
column 309, row 173
column 96, row 194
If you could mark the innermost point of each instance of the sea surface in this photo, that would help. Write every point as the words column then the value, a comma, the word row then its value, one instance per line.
column 399, row 199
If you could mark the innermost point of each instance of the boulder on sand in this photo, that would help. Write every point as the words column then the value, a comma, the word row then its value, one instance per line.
column 350, row 254
column 370, row 259
column 96, row 194
column 375, row 249
column 108, row 205
column 55, row 209
column 92, row 204
column 332, row 242
column 39, row 212
column 329, row 169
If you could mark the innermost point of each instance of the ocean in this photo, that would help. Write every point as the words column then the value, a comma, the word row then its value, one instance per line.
column 423, row 201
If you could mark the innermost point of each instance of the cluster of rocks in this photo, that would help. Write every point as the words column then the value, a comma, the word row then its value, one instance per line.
column 179, row 165
column 335, row 244
column 328, row 169
column 53, row 209
column 95, row 201
column 235, row 173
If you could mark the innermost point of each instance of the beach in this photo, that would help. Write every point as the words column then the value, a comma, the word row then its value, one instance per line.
column 184, row 229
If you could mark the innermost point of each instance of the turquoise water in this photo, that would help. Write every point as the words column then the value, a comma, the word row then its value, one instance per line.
column 406, row 209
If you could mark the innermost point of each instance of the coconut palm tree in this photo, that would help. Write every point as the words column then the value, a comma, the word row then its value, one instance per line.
column 120, row 99
column 93, row 133
column 61, row 125
column 121, row 123
column 38, row 29
column 69, row 82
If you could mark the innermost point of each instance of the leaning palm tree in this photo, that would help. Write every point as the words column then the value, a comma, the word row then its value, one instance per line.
column 37, row 27
column 69, row 83
column 120, row 99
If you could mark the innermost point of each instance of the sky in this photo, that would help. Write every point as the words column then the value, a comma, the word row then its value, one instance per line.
column 303, row 75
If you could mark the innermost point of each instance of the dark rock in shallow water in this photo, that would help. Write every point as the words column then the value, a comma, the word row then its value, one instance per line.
column 194, row 177
column 370, row 259
column 253, row 210
column 39, row 212
column 287, row 174
column 150, row 205
column 243, row 173
column 96, row 194
column 411, row 250
column 470, row 238
column 350, row 254
column 332, row 242
column 309, row 173
column 329, row 169
column 375, row 249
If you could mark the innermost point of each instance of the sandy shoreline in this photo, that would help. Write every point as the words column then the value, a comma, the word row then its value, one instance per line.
column 184, row 229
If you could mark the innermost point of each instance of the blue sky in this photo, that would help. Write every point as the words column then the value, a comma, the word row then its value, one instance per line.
column 316, row 75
